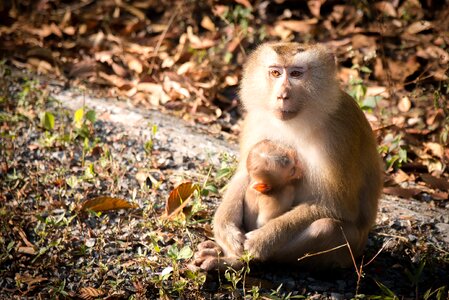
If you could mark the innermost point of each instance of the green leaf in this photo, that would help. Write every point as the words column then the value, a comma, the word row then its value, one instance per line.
column 72, row 182
column 403, row 155
column 154, row 129
column 91, row 116
column 89, row 172
column 389, row 294
column 166, row 273
column 185, row 253
column 365, row 69
column 370, row 102
column 48, row 120
column 173, row 252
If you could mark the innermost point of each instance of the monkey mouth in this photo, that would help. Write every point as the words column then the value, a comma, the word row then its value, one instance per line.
column 285, row 115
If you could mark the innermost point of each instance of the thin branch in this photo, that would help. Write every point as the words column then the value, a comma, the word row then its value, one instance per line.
column 321, row 252
column 161, row 39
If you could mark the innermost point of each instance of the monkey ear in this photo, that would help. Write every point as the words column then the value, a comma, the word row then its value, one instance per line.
column 261, row 187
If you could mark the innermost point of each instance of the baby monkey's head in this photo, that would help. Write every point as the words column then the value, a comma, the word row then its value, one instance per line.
column 272, row 166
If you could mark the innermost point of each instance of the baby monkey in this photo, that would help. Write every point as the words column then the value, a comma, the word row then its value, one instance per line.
column 273, row 171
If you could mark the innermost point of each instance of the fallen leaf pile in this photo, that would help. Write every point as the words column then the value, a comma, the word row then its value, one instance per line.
column 186, row 57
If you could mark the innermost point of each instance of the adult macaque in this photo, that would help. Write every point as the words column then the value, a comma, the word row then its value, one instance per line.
column 292, row 97
column 273, row 171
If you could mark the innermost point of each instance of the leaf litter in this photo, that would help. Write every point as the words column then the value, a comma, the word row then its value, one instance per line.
column 187, row 63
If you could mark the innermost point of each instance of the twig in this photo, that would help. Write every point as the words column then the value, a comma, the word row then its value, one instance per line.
column 321, row 252
column 161, row 39
column 378, row 252
column 359, row 274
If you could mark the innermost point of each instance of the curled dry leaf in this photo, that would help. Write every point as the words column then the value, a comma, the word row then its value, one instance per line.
column 401, row 192
column 386, row 8
column 88, row 293
column 105, row 203
column 435, row 182
column 302, row 26
column 207, row 23
column 179, row 197
column 418, row 26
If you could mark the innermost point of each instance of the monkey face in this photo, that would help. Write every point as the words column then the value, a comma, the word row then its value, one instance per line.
column 285, row 85
column 290, row 80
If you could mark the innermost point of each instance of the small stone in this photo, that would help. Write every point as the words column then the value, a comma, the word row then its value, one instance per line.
column 336, row 296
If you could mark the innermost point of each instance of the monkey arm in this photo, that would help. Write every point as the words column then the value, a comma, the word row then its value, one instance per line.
column 264, row 242
column 228, row 220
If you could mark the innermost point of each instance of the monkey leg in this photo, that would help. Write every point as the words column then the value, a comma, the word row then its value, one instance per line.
column 318, row 246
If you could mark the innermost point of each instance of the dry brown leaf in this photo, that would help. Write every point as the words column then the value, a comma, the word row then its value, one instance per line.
column 89, row 293
column 362, row 41
column 83, row 69
column 133, row 10
column 245, row 3
column 401, row 70
column 315, row 7
column 387, row 8
column 377, row 91
column 303, row 26
column 113, row 79
column 105, row 203
column 42, row 66
column 433, row 52
column 418, row 26
column 133, row 63
column 401, row 192
column 69, row 30
column 179, row 197
column 435, row 148
column 400, row 176
column 435, row 182
column 119, row 70
column 207, row 23
column 27, row 250
column 440, row 196
column 41, row 53
column 185, row 67
column 28, row 279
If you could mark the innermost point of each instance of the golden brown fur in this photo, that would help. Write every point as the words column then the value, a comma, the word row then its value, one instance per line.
column 293, row 98
column 273, row 171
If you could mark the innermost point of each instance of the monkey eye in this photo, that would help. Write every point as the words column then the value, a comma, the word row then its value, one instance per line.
column 296, row 73
column 283, row 160
column 275, row 73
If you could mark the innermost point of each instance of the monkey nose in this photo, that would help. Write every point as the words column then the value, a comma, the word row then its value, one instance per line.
column 283, row 96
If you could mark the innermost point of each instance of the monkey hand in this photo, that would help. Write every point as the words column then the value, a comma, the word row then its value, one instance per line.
column 210, row 257
column 258, row 245
column 231, row 239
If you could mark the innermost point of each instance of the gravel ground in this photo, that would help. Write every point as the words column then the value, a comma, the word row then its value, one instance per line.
column 115, row 252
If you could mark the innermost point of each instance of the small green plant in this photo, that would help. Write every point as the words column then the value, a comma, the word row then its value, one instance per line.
column 83, row 123
column 393, row 151
column 357, row 89
column 439, row 294
column 227, row 168
column 387, row 293
column 415, row 275
column 47, row 120
column 148, row 146
column 234, row 277
column 172, row 279
column 278, row 294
